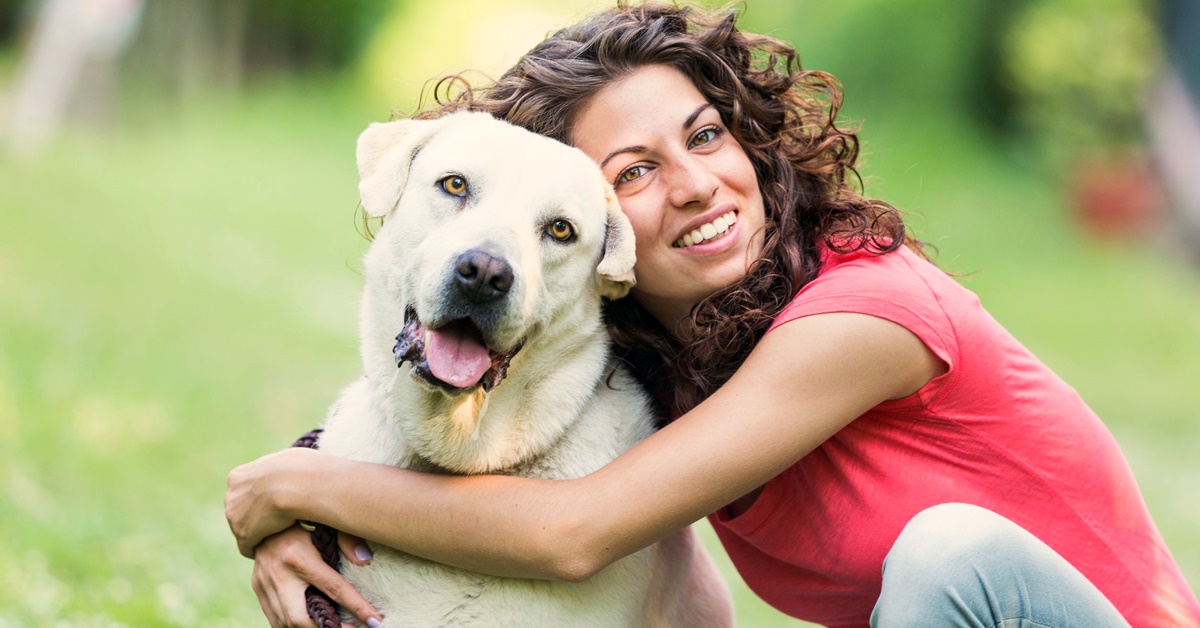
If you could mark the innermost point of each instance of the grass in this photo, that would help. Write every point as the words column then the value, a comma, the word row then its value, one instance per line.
column 181, row 296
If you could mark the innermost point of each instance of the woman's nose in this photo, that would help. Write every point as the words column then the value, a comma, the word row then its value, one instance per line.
column 691, row 182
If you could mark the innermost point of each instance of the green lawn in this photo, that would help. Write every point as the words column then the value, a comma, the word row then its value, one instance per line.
column 181, row 297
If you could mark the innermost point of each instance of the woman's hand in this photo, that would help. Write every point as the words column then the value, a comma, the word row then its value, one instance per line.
column 258, row 490
column 286, row 563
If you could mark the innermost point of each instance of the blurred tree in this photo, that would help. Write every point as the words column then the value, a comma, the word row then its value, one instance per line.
column 196, row 45
column 12, row 15
column 896, row 56
column 312, row 33
column 74, row 60
column 68, row 68
column 1079, row 71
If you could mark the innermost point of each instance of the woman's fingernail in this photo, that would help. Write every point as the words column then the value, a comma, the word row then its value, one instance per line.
column 362, row 553
column 373, row 623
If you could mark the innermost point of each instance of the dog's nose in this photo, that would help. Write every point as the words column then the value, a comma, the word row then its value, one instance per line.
column 482, row 277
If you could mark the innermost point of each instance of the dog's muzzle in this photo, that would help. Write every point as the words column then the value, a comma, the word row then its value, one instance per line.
column 453, row 357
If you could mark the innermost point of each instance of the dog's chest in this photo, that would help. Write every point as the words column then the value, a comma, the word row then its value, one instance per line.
column 422, row 593
column 417, row 592
column 410, row 591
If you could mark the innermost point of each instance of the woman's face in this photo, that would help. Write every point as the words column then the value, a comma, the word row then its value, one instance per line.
column 686, row 185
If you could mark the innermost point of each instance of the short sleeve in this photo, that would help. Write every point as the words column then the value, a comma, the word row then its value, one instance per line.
column 896, row 287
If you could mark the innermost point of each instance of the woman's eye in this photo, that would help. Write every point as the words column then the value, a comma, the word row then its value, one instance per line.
column 454, row 185
column 560, row 230
column 704, row 136
column 632, row 174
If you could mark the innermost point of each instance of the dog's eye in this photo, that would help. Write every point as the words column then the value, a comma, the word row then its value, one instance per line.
column 454, row 185
column 560, row 230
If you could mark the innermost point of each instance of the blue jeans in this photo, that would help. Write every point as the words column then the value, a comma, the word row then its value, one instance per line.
column 962, row 565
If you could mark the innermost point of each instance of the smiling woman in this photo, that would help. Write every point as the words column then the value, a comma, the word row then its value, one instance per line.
column 871, row 446
column 676, row 171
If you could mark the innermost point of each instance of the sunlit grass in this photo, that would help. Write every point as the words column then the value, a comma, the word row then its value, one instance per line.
column 181, row 297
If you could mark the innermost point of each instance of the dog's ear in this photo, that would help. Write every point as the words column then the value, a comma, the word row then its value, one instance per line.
column 385, row 152
column 616, row 267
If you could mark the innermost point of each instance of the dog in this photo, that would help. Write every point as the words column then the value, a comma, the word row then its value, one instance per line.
column 484, row 351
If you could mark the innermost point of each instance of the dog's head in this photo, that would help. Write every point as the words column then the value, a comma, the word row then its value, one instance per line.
column 492, row 235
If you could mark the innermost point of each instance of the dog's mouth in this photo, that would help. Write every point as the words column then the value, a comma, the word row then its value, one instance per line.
column 453, row 357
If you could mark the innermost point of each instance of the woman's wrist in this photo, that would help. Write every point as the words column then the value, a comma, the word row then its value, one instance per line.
column 293, row 488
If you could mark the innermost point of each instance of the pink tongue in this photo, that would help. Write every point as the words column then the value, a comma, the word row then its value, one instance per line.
column 456, row 356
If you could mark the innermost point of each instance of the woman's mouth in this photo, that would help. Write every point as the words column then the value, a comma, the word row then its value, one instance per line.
column 707, row 231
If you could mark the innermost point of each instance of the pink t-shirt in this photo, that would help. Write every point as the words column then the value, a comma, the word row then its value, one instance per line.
column 999, row 430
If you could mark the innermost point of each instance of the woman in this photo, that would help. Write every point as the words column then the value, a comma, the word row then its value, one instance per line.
column 837, row 399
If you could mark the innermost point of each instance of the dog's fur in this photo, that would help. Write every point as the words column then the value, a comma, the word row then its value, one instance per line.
column 564, row 409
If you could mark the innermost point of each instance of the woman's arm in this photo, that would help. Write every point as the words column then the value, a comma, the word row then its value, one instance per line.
column 802, row 383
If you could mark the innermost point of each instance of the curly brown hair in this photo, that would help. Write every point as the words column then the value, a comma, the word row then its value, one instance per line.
column 783, row 117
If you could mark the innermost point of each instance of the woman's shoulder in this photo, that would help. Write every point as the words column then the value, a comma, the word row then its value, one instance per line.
column 900, row 266
column 874, row 283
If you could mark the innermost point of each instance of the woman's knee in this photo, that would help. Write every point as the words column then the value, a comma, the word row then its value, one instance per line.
column 940, row 564
column 956, row 562
column 951, row 534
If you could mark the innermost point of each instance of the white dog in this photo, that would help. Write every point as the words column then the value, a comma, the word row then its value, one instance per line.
column 497, row 249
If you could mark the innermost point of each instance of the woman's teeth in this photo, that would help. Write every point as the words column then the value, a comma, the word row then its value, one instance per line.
column 708, row 230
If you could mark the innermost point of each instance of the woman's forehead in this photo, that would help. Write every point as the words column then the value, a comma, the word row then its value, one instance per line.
column 651, row 101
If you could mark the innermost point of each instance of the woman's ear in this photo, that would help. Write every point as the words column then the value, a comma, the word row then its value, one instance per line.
column 384, row 154
column 616, row 267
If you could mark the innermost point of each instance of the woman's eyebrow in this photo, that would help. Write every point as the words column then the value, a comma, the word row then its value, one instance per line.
column 695, row 114
column 627, row 149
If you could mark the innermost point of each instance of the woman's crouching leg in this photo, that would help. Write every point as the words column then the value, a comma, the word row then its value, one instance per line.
column 962, row 565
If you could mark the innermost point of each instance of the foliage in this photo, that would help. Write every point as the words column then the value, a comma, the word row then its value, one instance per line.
column 892, row 53
column 1080, row 69
column 269, row 33
column 188, row 47
column 11, row 14
column 308, row 33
